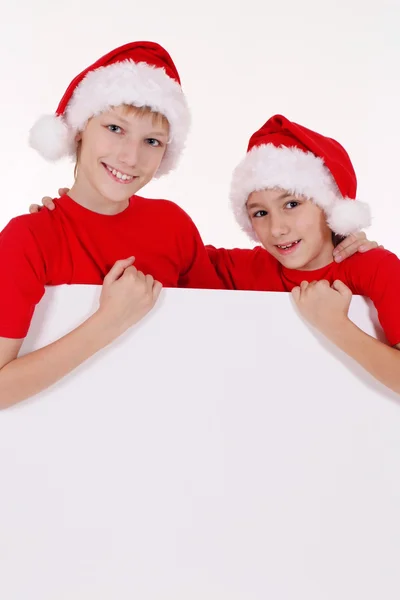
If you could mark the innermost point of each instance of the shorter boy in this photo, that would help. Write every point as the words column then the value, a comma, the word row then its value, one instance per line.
column 295, row 193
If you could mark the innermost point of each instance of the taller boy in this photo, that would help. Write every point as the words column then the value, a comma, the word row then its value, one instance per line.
column 126, row 119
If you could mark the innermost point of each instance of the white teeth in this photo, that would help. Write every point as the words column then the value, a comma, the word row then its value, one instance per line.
column 119, row 175
column 287, row 246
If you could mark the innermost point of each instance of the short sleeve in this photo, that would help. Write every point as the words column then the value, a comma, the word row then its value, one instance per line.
column 22, row 272
column 379, row 280
column 196, row 268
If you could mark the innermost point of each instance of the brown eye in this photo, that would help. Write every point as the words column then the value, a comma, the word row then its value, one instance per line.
column 260, row 213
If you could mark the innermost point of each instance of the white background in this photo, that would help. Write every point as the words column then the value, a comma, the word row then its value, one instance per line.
column 260, row 464
column 332, row 66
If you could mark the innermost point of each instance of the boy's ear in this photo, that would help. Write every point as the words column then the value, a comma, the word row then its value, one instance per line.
column 78, row 137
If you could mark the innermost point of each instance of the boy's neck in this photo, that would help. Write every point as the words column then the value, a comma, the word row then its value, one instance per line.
column 323, row 259
column 83, row 193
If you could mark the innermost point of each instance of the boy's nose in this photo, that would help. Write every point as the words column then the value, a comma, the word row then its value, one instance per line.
column 129, row 153
column 279, row 226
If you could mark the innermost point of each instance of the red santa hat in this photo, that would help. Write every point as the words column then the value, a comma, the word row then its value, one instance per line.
column 285, row 155
column 138, row 74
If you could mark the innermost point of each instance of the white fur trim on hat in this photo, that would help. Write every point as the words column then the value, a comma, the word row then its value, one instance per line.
column 126, row 82
column 300, row 173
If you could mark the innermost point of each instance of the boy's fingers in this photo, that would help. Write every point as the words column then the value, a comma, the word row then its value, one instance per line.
column 157, row 287
column 296, row 293
column 118, row 269
column 141, row 276
column 346, row 252
column 304, row 285
column 34, row 208
column 352, row 244
column 349, row 241
column 63, row 191
column 150, row 281
column 130, row 271
column 341, row 287
column 48, row 202
column 367, row 245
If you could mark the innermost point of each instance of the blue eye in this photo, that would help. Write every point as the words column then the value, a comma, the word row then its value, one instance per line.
column 114, row 128
column 260, row 213
column 153, row 142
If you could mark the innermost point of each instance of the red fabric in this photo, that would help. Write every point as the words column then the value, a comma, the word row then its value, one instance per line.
column 375, row 275
column 279, row 131
column 149, row 52
column 72, row 245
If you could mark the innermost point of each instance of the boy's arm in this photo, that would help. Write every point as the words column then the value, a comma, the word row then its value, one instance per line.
column 243, row 269
column 127, row 296
column 326, row 308
column 380, row 360
column 21, row 378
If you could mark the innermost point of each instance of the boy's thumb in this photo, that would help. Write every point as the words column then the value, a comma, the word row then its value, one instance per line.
column 340, row 287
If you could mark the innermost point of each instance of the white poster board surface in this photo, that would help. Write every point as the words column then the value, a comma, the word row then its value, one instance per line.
column 221, row 449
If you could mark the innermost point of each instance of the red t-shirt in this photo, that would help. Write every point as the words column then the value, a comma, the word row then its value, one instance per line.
column 73, row 245
column 375, row 275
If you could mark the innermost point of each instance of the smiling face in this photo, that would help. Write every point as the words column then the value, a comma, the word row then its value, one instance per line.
column 291, row 228
column 120, row 152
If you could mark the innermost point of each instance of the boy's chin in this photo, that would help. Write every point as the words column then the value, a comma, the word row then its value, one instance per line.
column 298, row 265
column 120, row 195
column 292, row 261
